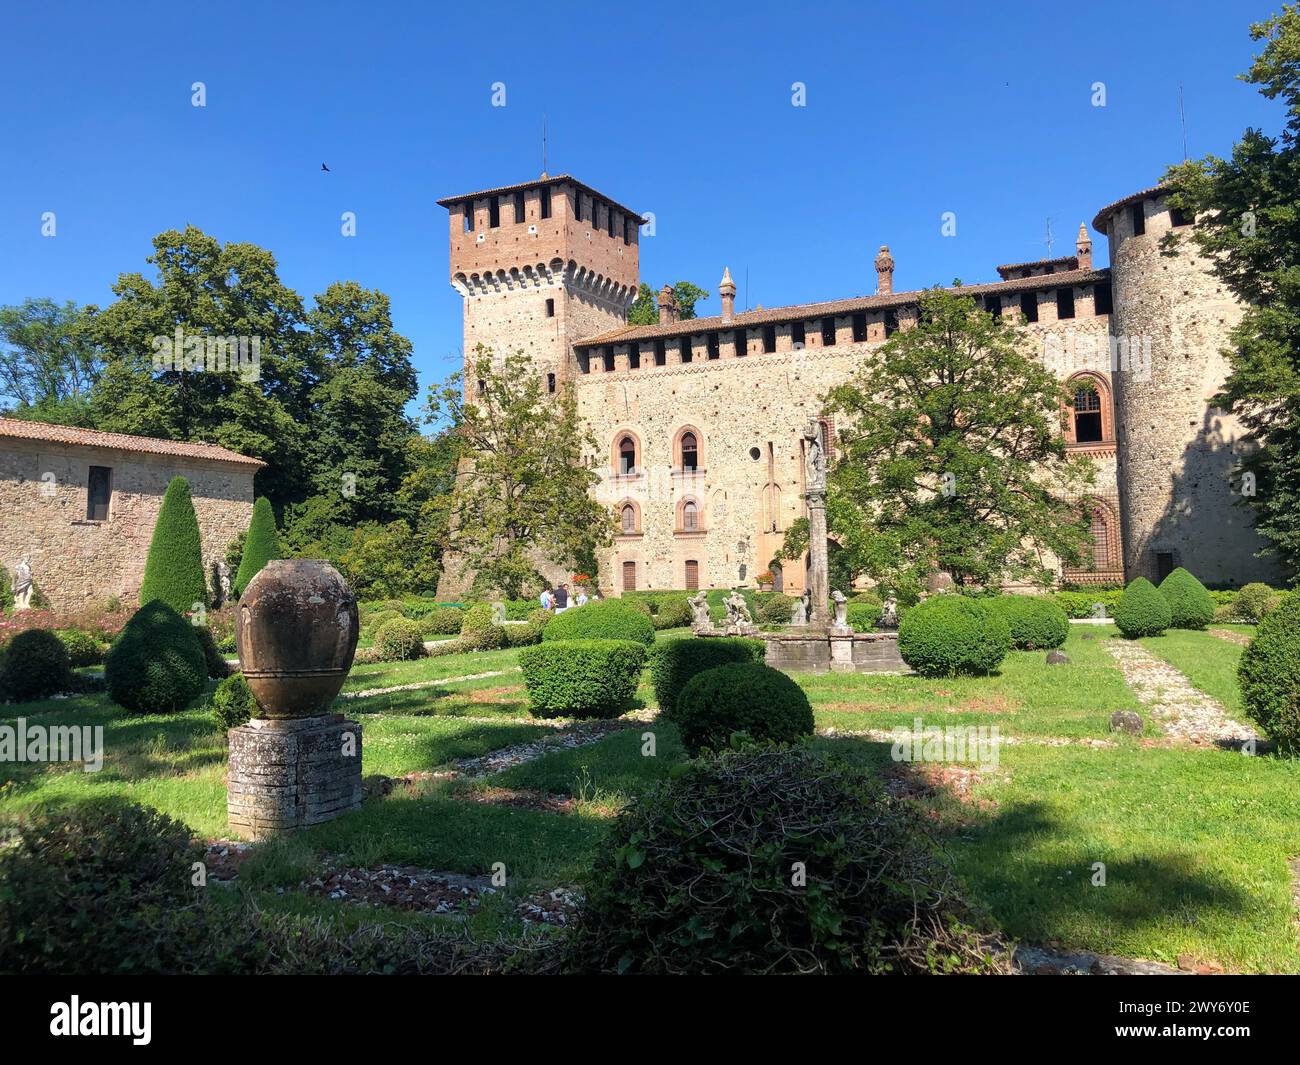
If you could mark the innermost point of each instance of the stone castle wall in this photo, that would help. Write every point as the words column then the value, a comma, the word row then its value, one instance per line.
column 78, row 563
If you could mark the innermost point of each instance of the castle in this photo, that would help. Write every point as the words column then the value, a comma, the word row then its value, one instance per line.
column 701, row 420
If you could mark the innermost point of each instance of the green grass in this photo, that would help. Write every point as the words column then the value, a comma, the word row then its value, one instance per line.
column 1208, row 661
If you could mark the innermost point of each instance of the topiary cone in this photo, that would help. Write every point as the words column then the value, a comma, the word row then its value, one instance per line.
column 1142, row 610
column 261, row 546
column 173, row 571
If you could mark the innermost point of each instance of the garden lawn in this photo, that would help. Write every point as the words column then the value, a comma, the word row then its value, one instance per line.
column 1208, row 661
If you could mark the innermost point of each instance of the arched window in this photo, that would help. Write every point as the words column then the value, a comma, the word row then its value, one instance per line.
column 690, row 516
column 1088, row 418
column 690, row 453
column 627, row 455
column 627, row 518
column 1087, row 415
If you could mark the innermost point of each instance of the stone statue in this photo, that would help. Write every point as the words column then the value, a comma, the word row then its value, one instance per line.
column 23, row 585
column 889, row 613
column 799, row 612
column 221, row 582
column 498, row 613
column 700, row 620
column 841, row 609
column 739, row 621
column 814, row 457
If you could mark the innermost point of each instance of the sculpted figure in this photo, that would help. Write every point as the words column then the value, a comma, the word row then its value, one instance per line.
column 23, row 585
column 841, row 609
column 700, row 620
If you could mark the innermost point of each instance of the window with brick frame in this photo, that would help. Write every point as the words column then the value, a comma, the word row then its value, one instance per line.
column 550, row 308
column 520, row 208
column 627, row 455
column 468, row 209
column 607, row 358
column 769, row 338
column 740, row 337
column 1065, row 303
column 797, row 335
column 714, row 351
column 692, row 575
column 828, row 332
column 1029, row 306
column 661, row 353
column 1101, row 301
column 634, row 356
column 628, row 226
column 544, row 201
column 609, row 225
column 859, row 328
column 494, row 211
column 629, row 576
column 99, row 493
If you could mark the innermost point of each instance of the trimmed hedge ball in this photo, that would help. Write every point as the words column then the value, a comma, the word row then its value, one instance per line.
column 1190, row 605
column 400, row 639
column 1269, row 674
column 83, row 649
column 747, row 697
column 775, row 608
column 443, row 621
column 607, row 620
column 34, row 665
column 233, row 703
column 951, row 635
column 479, row 631
column 581, row 678
column 674, row 612
column 1253, row 602
column 156, row 664
column 1142, row 610
column 674, row 662
column 863, row 617
column 1036, row 622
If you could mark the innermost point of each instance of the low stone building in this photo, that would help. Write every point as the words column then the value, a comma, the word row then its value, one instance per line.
column 80, row 505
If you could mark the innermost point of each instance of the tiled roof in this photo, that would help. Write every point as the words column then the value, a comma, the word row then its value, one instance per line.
column 67, row 434
column 836, row 307
column 537, row 183
column 1098, row 221
column 1072, row 261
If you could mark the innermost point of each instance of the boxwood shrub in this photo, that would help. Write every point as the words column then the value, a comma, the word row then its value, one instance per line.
column 442, row 621
column 1077, row 604
column 863, row 617
column 214, row 661
column 1036, row 622
column 1254, row 601
column 950, row 635
column 83, row 648
column 233, row 703
column 774, row 608
column 1190, row 605
column 581, row 678
column 478, row 630
column 747, row 697
column 34, row 665
column 400, row 639
column 674, row 611
column 1142, row 610
column 156, row 664
column 695, row 878
column 1269, row 674
column 607, row 620
column 674, row 662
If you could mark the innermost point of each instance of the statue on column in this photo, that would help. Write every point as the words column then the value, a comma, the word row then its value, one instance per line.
column 814, row 457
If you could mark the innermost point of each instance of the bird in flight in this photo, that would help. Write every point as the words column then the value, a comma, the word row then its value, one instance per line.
column 325, row 168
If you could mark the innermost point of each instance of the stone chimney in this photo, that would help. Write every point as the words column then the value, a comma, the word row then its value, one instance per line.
column 884, row 272
column 727, row 290
column 1083, row 248
column 667, row 305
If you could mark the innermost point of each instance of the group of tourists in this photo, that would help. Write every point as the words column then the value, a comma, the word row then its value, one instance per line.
column 560, row 599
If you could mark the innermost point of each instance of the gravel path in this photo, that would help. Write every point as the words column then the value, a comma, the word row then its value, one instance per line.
column 1184, row 712
column 1239, row 638
column 416, row 685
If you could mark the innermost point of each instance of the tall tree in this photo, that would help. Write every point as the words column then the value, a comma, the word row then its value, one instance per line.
column 529, row 466
column 950, row 457
column 48, row 360
column 645, row 308
column 173, row 569
column 1248, row 224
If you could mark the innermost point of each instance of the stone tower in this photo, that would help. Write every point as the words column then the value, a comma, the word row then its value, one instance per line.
column 1180, row 501
column 540, row 265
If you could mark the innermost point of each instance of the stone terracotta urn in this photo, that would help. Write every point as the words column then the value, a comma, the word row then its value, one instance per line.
column 297, row 634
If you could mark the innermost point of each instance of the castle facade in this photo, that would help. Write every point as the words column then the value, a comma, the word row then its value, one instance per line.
column 700, row 421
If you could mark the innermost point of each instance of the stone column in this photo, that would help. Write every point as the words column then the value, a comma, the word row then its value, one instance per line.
column 819, row 582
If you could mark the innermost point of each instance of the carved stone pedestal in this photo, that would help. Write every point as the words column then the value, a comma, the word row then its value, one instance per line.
column 290, row 773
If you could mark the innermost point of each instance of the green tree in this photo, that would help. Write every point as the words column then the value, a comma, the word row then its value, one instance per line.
column 49, row 360
column 527, row 470
column 950, row 457
column 645, row 308
column 260, row 547
column 173, row 569
column 1247, row 223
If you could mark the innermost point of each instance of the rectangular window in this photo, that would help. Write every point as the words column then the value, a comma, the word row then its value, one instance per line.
column 1065, row 303
column 494, row 212
column 608, row 356
column 629, row 576
column 634, row 356
column 469, row 216
column 692, row 575
column 685, row 348
column 661, row 355
column 1164, row 565
column 628, row 226
column 609, row 224
column 891, row 323
column 1029, row 305
column 859, row 328
column 577, row 206
column 993, row 304
column 550, row 382
column 1101, row 299
column 550, row 308
column 544, row 201
column 712, row 342
column 797, row 334
column 1139, row 219
column 828, row 332
column 99, row 493
column 1179, row 217
column 741, row 338
column 519, row 207
column 769, row 338
column 595, row 214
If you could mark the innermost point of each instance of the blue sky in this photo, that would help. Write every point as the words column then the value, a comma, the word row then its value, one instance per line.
column 911, row 110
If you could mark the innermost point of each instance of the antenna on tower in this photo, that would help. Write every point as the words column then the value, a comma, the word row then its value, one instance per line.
column 543, row 146
column 1182, row 117
column 1049, row 238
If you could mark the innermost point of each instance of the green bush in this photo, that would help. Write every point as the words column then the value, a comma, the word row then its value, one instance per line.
column 673, row 613
column 443, row 621
column 607, row 620
column 864, row 617
column 6, row 591
column 156, row 664
column 1254, row 601
column 1142, row 610
column 774, row 608
column 478, row 631
column 214, row 661
column 748, row 697
column 951, row 635
column 581, row 678
column 1083, row 604
column 35, row 665
column 400, row 639
column 1190, row 605
column 173, row 570
column 696, row 878
column 78, row 883
column 83, row 648
column 1269, row 674
column 1036, row 622
column 233, row 703
column 261, row 546
column 674, row 662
